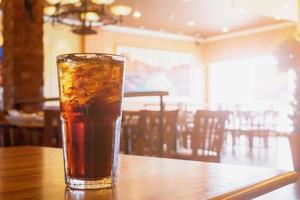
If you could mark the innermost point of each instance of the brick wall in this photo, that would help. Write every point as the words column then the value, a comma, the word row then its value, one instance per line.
column 23, row 51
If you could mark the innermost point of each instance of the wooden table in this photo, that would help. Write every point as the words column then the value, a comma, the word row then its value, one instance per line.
column 37, row 173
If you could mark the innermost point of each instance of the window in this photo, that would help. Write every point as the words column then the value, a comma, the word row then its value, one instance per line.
column 254, row 83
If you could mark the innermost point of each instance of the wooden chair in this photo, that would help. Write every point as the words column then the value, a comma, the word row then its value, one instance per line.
column 264, row 123
column 185, row 126
column 52, row 130
column 247, row 125
column 252, row 124
column 153, row 133
column 159, row 132
column 5, row 131
column 130, row 131
column 170, row 133
column 232, row 127
column 241, row 123
column 207, row 137
column 10, row 135
column 13, row 135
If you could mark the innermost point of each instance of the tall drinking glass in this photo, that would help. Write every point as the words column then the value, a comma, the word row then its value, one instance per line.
column 91, row 90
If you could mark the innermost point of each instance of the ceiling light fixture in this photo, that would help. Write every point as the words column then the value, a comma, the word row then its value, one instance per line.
column 121, row 10
column 50, row 10
column 70, row 1
column 105, row 2
column 137, row 14
column 84, row 15
column 90, row 16
column 53, row 2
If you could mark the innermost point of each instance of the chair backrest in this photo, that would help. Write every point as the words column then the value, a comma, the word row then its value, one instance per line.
column 130, row 132
column 207, row 136
column 256, row 120
column 159, row 132
column 52, row 131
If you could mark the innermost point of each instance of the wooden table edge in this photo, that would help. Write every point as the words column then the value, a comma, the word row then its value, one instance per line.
column 258, row 189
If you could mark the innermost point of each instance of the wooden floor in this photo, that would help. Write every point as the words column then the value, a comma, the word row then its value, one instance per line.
column 276, row 155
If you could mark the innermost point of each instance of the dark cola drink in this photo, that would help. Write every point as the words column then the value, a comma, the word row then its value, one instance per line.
column 90, row 100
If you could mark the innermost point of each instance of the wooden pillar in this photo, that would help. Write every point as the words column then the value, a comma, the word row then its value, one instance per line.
column 22, row 52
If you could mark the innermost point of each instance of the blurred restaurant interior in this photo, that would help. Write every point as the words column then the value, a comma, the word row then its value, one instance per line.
column 187, row 61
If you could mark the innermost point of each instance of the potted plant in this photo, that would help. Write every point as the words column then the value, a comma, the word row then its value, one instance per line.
column 288, row 56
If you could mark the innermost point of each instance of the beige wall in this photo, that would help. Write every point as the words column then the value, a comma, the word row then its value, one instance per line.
column 107, row 41
column 58, row 40
column 264, row 43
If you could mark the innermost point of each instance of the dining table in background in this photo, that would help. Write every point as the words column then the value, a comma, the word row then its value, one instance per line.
column 20, row 134
column 38, row 173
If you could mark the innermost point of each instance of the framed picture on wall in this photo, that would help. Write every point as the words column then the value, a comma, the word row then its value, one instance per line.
column 157, row 70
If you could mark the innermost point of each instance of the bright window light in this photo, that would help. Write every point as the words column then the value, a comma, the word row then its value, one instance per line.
column 251, row 84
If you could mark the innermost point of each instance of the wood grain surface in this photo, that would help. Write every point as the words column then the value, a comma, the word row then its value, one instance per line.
column 37, row 173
